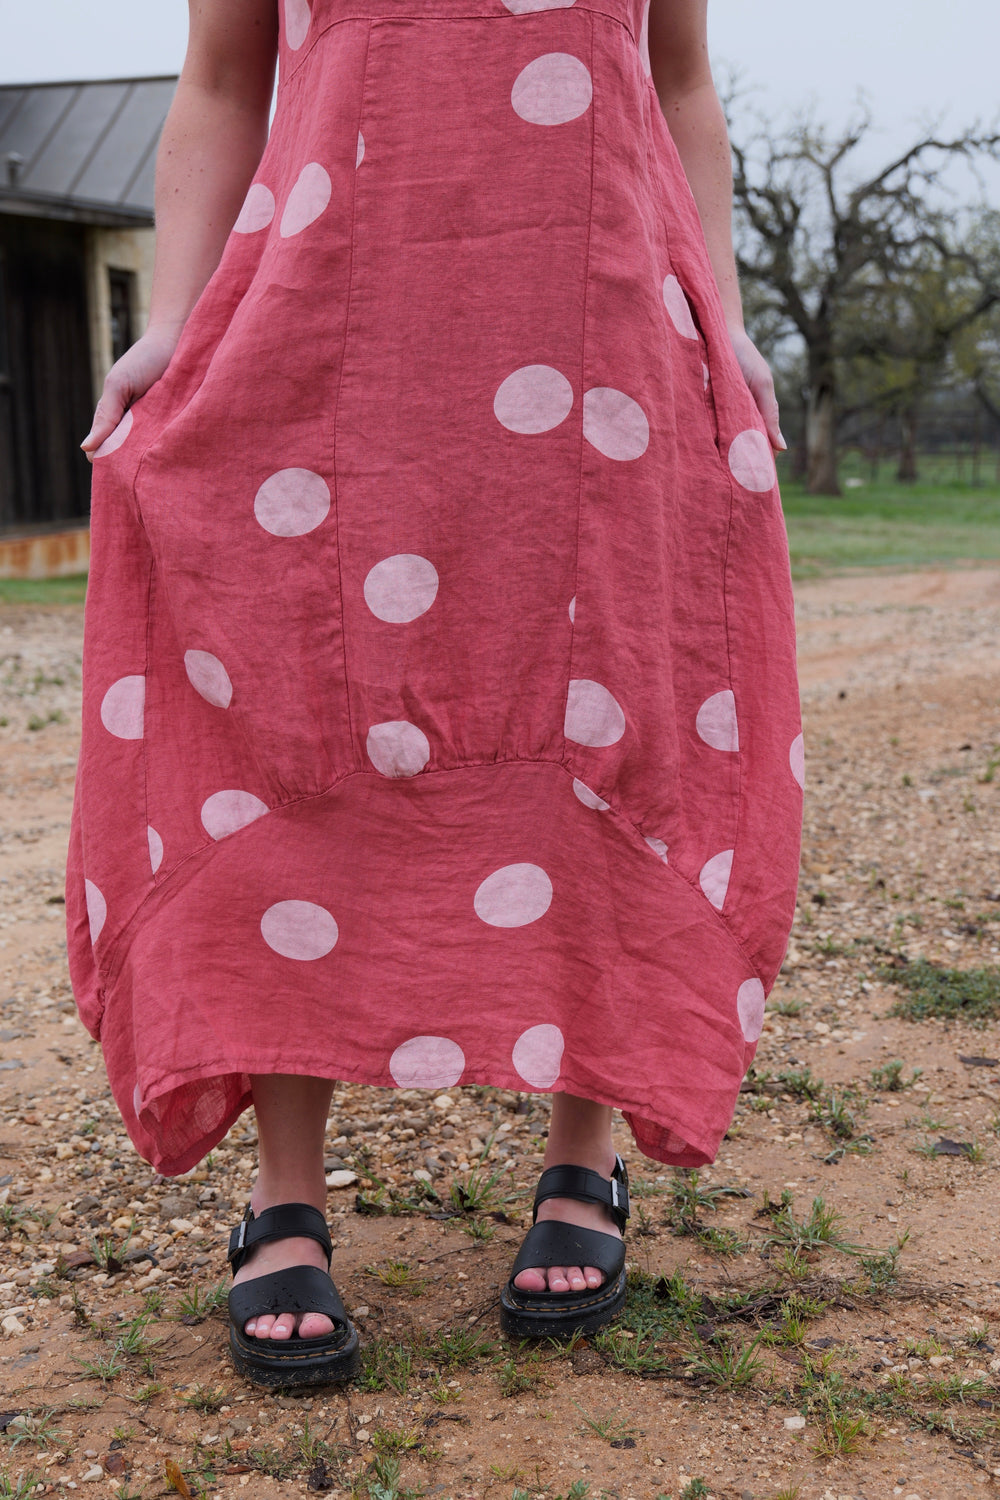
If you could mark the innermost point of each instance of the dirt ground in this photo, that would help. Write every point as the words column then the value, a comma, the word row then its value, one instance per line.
column 764, row 1354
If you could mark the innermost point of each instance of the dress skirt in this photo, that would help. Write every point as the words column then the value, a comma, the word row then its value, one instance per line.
column 440, row 714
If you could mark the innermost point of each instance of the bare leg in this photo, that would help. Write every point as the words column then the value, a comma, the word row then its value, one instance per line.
column 579, row 1135
column 291, row 1124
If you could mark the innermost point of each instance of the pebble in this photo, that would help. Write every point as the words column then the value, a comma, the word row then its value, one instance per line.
column 12, row 1326
column 341, row 1179
column 444, row 1102
column 938, row 1361
column 94, row 1472
column 181, row 1226
column 795, row 1424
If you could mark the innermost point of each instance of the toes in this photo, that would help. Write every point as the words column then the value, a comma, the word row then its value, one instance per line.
column 259, row 1327
column 594, row 1276
column 532, row 1280
column 315, row 1326
column 576, row 1279
column 558, row 1279
column 283, row 1326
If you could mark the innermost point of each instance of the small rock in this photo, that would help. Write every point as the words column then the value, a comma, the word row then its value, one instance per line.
column 12, row 1326
column 795, row 1424
column 341, row 1178
column 173, row 1206
column 422, row 1174
column 181, row 1226
column 94, row 1472
column 938, row 1361
column 362, row 1311
column 434, row 1167
column 444, row 1102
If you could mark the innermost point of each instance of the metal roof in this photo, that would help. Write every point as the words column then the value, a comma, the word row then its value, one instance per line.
column 83, row 151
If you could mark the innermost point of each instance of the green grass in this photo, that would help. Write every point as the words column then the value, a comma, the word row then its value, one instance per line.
column 954, row 994
column 43, row 590
column 885, row 524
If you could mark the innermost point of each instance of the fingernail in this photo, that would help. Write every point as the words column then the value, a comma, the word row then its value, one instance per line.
column 782, row 444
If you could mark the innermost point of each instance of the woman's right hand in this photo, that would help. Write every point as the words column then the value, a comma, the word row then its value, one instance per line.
column 127, row 380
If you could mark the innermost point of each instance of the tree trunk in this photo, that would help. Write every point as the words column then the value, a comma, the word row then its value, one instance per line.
column 907, row 471
column 821, row 425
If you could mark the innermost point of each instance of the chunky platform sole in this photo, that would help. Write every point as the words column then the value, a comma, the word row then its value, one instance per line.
column 544, row 1317
column 300, row 1366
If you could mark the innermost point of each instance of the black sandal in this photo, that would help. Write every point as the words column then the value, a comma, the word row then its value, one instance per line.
column 526, row 1315
column 300, row 1289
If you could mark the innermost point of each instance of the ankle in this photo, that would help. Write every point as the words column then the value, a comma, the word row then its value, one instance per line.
column 266, row 1193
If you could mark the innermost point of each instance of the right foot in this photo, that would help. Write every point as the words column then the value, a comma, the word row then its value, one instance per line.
column 281, row 1255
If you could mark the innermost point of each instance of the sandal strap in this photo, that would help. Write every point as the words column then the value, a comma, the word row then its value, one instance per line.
column 299, row 1289
column 284, row 1221
column 587, row 1187
column 554, row 1243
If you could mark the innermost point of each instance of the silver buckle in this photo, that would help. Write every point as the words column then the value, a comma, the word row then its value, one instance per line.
column 243, row 1235
column 614, row 1192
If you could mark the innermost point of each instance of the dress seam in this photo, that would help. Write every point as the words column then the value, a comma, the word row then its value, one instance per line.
column 336, row 410
column 583, row 379
column 370, row 19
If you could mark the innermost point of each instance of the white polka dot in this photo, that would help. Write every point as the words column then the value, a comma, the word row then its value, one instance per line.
column 534, row 398
column 614, row 423
column 537, row 1055
column 524, row 7
column 136, row 1100
column 644, row 41
column 427, row 1062
column 307, row 200
column 593, row 716
column 224, row 812
column 122, row 708
column 118, row 437
column 752, row 462
column 359, row 158
column 209, row 677
column 257, row 211
column 572, row 610
column 299, row 929
column 658, row 847
column 589, row 798
column 797, row 760
column 97, row 909
column 397, row 748
column 401, row 588
column 514, row 896
column 297, row 17
column 679, row 308
column 155, row 848
column 556, row 87
column 750, row 1008
column 716, row 721
column 292, row 502
column 714, row 877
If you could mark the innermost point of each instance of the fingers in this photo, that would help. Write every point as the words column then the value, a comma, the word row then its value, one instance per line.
column 108, row 413
column 757, row 374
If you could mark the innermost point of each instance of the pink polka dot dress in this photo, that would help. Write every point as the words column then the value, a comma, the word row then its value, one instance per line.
column 441, row 722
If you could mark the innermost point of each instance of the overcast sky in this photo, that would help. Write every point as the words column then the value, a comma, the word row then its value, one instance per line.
column 914, row 59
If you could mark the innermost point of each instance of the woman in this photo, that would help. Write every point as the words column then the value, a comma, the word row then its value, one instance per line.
column 440, row 714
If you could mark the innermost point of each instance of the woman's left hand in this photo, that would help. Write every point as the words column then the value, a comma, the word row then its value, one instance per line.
column 757, row 374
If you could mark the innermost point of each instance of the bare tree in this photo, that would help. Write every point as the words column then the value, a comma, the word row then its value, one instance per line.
column 828, row 248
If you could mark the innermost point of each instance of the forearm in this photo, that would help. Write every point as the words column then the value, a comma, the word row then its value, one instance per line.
column 209, row 150
column 698, row 126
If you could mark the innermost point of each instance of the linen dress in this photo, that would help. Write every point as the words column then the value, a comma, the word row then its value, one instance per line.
column 441, row 722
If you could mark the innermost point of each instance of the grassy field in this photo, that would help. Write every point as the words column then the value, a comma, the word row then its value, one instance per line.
column 885, row 524
column 878, row 524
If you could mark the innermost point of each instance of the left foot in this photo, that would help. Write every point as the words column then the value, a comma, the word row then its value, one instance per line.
column 584, row 1216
